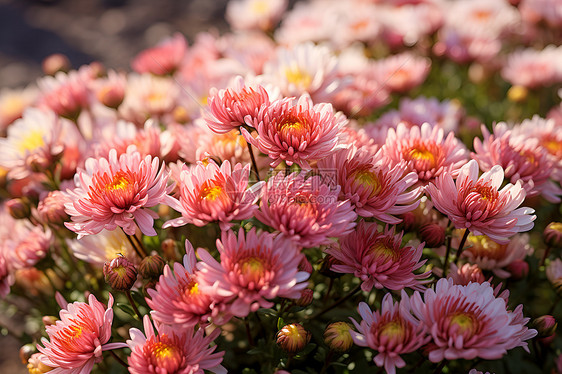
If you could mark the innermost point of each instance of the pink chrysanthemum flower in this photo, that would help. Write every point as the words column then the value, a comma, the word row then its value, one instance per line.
column 13, row 103
column 178, row 299
column 489, row 255
column 77, row 340
column 533, row 69
column 469, row 321
column 254, row 268
column 296, row 132
column 375, row 188
column 102, row 247
column 465, row 274
column 228, row 108
column 305, row 210
column 185, row 351
column 402, row 72
column 163, row 59
column 255, row 14
column 26, row 245
column 117, row 192
column 477, row 203
column 426, row 150
column 210, row 193
column 65, row 94
column 378, row 258
column 391, row 331
column 522, row 158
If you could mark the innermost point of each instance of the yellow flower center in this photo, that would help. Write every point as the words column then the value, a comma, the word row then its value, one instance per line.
column 298, row 77
column 383, row 251
column 260, row 7
column 483, row 246
column 463, row 323
column 31, row 141
column 392, row 330
column 552, row 145
column 165, row 354
column 253, row 268
column 163, row 350
column 210, row 191
column 119, row 182
column 368, row 179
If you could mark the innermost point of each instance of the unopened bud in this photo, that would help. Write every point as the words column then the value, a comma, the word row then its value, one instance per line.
column 307, row 296
column 120, row 274
column 306, row 266
column 518, row 269
column 51, row 208
column 293, row 338
column 54, row 63
column 433, row 235
column 151, row 267
column 18, row 208
column 545, row 325
column 36, row 366
column 552, row 234
column 49, row 320
column 409, row 221
column 338, row 337
column 326, row 267
column 26, row 351
column 111, row 95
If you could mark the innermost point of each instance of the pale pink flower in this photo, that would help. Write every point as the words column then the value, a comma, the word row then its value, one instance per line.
column 77, row 340
column 210, row 193
column 50, row 209
column 375, row 188
column 465, row 274
column 122, row 134
column 251, row 49
column 185, row 351
column 378, row 258
column 522, row 159
column 391, row 331
column 255, row 14
column 165, row 58
column 469, row 322
column 307, row 21
column 296, row 132
column 254, row 269
column 533, row 69
column 477, row 203
column 425, row 150
column 26, row 245
column 554, row 271
column 65, row 94
column 117, row 192
column 178, row 299
column 110, row 90
column 305, row 210
column 228, row 108
column 13, row 103
column 535, row 11
column 402, row 72
column 102, row 247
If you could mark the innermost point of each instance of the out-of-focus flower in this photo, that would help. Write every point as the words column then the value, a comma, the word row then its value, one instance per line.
column 307, row 297
column 554, row 273
column 522, row 159
column 54, row 63
column 172, row 350
column 426, row 151
column 116, row 192
column 65, row 94
column 165, row 58
column 26, row 245
column 337, row 336
column 51, row 208
column 374, row 187
column 211, row 193
column 110, row 91
column 255, row 14
column 552, row 234
column 229, row 108
column 293, row 338
column 305, row 210
column 477, row 203
column 433, row 234
column 465, row 274
column 121, row 135
column 104, row 246
column 391, row 331
column 469, row 321
column 402, row 72
column 378, row 258
column 532, row 69
column 77, row 340
column 120, row 273
column 254, row 268
column 535, row 11
column 296, row 132
column 13, row 103
column 35, row 366
column 518, row 269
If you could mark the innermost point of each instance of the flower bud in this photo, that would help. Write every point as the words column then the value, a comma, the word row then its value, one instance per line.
column 111, row 95
column 552, row 234
column 518, row 269
column 169, row 248
column 51, row 208
column 433, row 235
column 408, row 221
column 306, row 266
column 326, row 267
column 338, row 337
column 54, row 63
column 18, row 208
column 35, row 366
column 49, row 320
column 545, row 325
column 293, row 338
column 307, row 296
column 151, row 267
column 148, row 285
column 26, row 351
column 120, row 274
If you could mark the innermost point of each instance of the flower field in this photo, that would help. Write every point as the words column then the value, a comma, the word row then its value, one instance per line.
column 328, row 187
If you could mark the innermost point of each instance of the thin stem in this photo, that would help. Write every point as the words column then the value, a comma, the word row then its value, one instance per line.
column 248, row 333
column 330, row 285
column 133, row 304
column 327, row 362
column 439, row 368
column 140, row 252
column 118, row 359
column 340, row 301
column 446, row 260
column 141, row 246
column 254, row 163
column 461, row 245
column 545, row 255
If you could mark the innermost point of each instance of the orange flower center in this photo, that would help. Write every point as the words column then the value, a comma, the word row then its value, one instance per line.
column 462, row 323
column 298, row 77
column 166, row 354
column 253, row 268
column 382, row 250
column 290, row 129
column 119, row 182
column 368, row 179
column 211, row 191
column 483, row 246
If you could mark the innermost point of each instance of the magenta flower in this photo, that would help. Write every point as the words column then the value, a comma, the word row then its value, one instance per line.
column 305, row 210
column 478, row 204
column 184, row 351
column 178, row 299
column 391, row 331
column 296, row 131
column 210, row 193
column 254, row 268
column 426, row 150
column 228, row 108
column 469, row 321
column 371, row 184
column 378, row 258
column 77, row 340
column 116, row 192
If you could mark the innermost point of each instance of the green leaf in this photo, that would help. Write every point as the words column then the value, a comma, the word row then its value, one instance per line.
column 280, row 323
column 127, row 309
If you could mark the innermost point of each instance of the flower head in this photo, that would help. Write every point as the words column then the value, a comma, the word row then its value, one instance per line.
column 469, row 321
column 391, row 331
column 171, row 350
column 163, row 59
column 477, row 203
column 254, row 268
column 378, row 258
column 306, row 210
column 104, row 246
column 77, row 340
column 115, row 192
column 292, row 338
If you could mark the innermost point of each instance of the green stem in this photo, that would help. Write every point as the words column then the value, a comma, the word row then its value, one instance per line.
column 340, row 301
column 461, row 245
column 140, row 252
column 545, row 255
column 133, row 304
column 118, row 359
column 248, row 333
